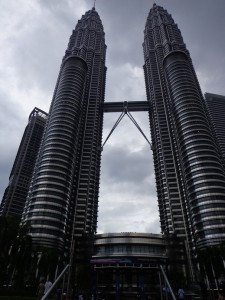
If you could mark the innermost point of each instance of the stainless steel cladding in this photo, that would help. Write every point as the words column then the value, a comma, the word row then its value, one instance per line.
column 63, row 198
column 189, row 173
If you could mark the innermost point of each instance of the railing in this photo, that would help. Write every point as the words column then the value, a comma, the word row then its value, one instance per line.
column 167, row 282
column 68, row 266
column 55, row 282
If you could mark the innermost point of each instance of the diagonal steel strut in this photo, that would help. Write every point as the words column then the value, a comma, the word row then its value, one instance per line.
column 114, row 127
column 126, row 112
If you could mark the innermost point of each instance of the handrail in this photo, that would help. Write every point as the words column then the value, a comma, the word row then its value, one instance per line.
column 55, row 282
column 167, row 281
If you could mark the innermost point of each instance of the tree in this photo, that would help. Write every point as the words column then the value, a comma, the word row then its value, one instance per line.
column 8, row 232
column 211, row 262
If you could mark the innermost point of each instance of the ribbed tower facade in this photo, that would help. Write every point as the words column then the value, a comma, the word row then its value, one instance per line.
column 216, row 108
column 14, row 198
column 189, row 175
column 63, row 198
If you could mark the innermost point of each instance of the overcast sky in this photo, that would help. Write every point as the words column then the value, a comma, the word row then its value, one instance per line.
column 34, row 35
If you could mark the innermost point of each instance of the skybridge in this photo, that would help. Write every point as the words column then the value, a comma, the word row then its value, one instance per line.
column 126, row 108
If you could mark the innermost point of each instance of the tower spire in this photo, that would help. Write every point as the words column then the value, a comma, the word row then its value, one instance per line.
column 94, row 4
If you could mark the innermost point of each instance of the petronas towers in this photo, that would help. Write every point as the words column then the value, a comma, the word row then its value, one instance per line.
column 63, row 198
column 189, row 173
column 62, row 204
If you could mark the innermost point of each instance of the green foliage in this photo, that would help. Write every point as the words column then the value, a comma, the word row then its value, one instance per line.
column 8, row 232
column 211, row 262
column 20, row 262
column 50, row 258
column 17, row 298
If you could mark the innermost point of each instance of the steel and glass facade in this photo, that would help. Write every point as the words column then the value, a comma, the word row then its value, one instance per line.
column 126, row 265
column 62, row 204
column 216, row 108
column 190, row 178
column 63, row 198
column 19, row 180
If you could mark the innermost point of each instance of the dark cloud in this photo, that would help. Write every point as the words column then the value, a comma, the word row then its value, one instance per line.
column 130, row 165
column 124, row 30
column 10, row 136
column 133, row 169
column 33, row 40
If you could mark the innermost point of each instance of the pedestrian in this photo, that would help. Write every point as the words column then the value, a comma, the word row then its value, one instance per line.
column 40, row 290
column 81, row 297
column 48, row 285
column 180, row 293
column 59, row 293
column 73, row 296
column 221, row 293
column 204, row 291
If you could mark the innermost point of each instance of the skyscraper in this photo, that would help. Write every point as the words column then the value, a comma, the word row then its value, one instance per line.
column 190, row 178
column 216, row 108
column 19, row 180
column 63, row 198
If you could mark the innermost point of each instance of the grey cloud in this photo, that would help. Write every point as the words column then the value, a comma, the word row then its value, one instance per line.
column 130, row 88
column 128, row 216
column 154, row 226
column 125, row 29
column 10, row 136
column 30, row 56
column 131, row 168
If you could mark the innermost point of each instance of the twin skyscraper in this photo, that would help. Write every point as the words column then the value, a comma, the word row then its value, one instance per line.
column 62, row 203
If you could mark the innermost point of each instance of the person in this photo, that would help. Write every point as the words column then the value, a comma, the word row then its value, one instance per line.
column 180, row 293
column 73, row 296
column 81, row 297
column 221, row 293
column 166, row 289
column 59, row 293
column 48, row 284
column 204, row 291
column 40, row 290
